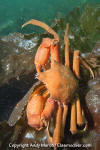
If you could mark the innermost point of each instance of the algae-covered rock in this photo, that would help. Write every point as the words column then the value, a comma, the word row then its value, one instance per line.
column 93, row 101
column 21, row 136
column 17, row 56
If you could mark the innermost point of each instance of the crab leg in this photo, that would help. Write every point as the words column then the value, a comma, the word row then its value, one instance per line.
column 48, row 111
column 73, row 118
column 57, row 130
column 73, row 128
column 65, row 110
column 78, row 106
column 67, row 63
column 76, row 63
column 44, row 26
column 79, row 112
column 73, row 108
column 87, row 66
column 56, row 139
column 54, row 53
column 66, row 41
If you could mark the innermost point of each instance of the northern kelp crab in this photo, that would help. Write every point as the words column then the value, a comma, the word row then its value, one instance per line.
column 59, row 87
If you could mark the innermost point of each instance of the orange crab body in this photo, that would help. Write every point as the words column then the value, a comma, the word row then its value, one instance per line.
column 60, row 82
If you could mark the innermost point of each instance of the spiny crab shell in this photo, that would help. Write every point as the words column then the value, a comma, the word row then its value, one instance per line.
column 60, row 82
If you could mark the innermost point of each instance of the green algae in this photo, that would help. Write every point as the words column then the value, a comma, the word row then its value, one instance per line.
column 84, row 27
column 90, row 19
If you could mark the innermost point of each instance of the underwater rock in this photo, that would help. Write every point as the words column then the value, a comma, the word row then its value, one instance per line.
column 93, row 101
column 22, row 136
column 12, row 92
column 96, row 49
column 17, row 56
column 5, row 132
column 93, row 138
column 94, row 83
column 88, row 140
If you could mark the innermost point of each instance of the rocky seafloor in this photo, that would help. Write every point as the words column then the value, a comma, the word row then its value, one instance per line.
column 17, row 76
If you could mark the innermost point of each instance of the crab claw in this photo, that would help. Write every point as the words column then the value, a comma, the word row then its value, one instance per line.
column 42, row 54
column 36, row 115
column 48, row 111
column 33, row 114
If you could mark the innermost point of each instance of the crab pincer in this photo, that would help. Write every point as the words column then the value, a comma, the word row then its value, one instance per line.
column 39, row 112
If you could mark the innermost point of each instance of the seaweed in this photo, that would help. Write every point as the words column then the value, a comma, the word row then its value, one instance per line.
column 84, row 26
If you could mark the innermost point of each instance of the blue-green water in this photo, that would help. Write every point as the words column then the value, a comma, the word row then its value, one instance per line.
column 13, row 13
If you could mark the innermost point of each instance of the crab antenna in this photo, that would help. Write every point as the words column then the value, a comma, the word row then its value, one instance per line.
column 44, row 26
column 66, row 42
column 87, row 66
